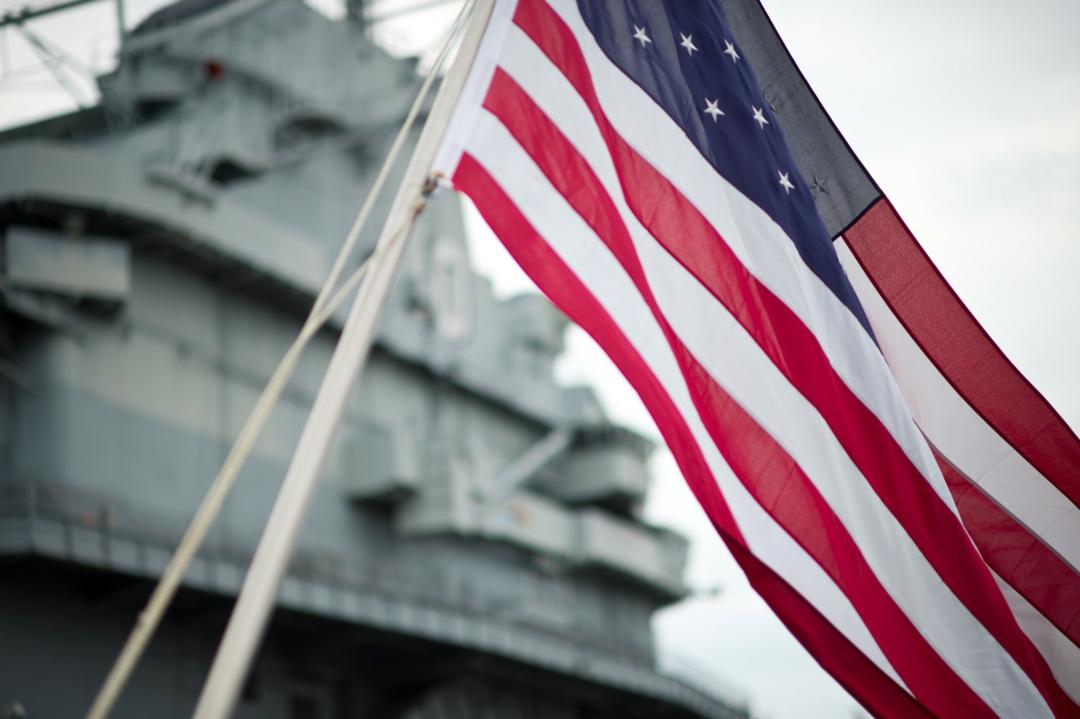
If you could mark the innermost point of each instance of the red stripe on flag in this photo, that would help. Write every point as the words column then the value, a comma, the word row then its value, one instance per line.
column 1019, row 557
column 959, row 347
column 550, row 274
column 765, row 469
column 872, row 687
column 673, row 220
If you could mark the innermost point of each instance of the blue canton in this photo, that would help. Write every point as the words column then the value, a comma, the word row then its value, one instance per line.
column 684, row 55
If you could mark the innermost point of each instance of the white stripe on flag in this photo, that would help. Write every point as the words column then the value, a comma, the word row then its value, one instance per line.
column 735, row 360
column 553, row 93
column 593, row 264
column 746, row 372
column 1059, row 651
column 754, row 237
column 961, row 435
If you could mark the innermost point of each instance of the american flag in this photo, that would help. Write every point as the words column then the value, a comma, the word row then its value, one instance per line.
column 891, row 485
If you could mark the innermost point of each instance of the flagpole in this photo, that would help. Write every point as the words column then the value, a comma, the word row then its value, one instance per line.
column 257, row 596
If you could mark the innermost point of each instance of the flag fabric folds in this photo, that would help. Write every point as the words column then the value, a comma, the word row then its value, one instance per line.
column 895, row 490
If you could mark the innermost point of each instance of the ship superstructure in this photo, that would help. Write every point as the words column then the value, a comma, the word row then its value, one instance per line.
column 476, row 546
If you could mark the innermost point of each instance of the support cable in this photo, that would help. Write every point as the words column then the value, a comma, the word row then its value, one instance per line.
column 69, row 61
column 55, row 66
column 18, row 17
column 327, row 301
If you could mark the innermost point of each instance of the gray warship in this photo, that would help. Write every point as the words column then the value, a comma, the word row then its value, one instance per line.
column 476, row 547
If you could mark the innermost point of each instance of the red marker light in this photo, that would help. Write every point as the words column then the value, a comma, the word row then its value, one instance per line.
column 213, row 69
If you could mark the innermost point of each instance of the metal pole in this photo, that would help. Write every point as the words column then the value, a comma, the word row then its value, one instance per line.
column 252, row 610
column 121, row 25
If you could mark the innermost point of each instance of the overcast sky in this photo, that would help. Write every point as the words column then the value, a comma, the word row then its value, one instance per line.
column 967, row 112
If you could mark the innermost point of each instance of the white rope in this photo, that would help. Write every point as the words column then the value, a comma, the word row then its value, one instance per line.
column 256, row 599
column 325, row 304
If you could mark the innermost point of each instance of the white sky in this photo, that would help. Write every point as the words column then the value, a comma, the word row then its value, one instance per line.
column 967, row 113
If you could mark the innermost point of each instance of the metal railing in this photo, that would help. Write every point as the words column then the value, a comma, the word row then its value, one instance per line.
column 75, row 508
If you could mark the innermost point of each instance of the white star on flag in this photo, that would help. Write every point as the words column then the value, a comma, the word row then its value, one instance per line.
column 688, row 43
column 729, row 49
column 759, row 117
column 639, row 34
column 712, row 109
column 785, row 182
